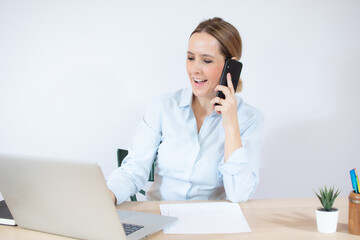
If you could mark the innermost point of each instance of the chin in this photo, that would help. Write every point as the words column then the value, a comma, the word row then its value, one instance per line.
column 203, row 93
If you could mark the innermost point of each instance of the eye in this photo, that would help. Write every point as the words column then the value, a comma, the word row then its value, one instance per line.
column 207, row 61
column 190, row 58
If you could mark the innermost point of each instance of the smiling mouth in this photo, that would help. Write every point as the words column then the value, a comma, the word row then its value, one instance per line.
column 200, row 80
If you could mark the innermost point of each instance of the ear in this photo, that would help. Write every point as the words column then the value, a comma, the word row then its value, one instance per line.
column 234, row 58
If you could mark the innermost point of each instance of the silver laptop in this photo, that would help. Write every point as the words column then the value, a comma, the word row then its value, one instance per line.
column 69, row 198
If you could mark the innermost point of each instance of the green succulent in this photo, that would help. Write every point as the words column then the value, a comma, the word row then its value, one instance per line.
column 327, row 197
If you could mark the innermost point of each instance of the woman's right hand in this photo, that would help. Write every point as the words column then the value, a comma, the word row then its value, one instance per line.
column 112, row 196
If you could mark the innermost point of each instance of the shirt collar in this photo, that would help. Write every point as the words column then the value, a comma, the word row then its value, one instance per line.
column 186, row 98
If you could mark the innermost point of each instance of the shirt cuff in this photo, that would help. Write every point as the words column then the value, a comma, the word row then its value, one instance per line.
column 116, row 184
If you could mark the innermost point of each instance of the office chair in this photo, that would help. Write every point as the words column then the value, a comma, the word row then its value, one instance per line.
column 121, row 154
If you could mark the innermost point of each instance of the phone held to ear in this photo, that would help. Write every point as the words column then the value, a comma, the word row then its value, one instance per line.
column 234, row 68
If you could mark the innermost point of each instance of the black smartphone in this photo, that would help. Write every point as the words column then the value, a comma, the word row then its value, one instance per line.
column 234, row 68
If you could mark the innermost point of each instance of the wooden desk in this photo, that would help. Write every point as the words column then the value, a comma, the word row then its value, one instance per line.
column 268, row 219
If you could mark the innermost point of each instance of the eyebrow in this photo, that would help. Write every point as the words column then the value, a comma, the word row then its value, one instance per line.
column 204, row 55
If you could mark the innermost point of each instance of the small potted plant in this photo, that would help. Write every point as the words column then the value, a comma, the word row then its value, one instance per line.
column 327, row 216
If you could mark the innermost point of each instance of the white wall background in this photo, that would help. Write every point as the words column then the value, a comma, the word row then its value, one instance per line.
column 77, row 76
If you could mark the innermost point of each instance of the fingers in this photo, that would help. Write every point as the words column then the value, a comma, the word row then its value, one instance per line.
column 229, row 83
column 216, row 100
column 229, row 96
column 221, row 103
column 228, row 91
column 112, row 195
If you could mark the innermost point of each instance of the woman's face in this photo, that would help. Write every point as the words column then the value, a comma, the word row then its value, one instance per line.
column 204, row 64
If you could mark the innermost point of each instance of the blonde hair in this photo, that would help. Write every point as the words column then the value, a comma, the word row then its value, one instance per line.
column 228, row 37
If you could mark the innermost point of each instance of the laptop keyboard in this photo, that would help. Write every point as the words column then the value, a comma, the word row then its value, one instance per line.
column 130, row 228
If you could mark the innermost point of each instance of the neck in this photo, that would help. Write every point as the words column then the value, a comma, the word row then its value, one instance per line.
column 201, row 105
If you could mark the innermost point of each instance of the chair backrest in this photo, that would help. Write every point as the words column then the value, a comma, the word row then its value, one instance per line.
column 121, row 154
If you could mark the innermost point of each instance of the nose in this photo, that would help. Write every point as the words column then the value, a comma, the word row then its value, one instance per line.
column 195, row 67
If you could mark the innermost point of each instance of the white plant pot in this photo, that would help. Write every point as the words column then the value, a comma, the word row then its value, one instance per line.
column 327, row 220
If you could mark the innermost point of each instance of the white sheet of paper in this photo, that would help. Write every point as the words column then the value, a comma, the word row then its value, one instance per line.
column 205, row 218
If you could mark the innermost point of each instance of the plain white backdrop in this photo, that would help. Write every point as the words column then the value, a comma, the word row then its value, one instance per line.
column 77, row 76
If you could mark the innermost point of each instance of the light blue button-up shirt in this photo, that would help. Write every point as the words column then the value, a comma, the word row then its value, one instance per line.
column 190, row 165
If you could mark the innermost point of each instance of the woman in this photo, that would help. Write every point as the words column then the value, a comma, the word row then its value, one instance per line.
column 203, row 151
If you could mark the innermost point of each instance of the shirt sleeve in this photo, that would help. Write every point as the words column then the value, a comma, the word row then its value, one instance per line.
column 134, row 172
column 241, row 171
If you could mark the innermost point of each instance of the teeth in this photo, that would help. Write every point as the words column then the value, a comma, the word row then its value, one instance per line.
column 199, row 80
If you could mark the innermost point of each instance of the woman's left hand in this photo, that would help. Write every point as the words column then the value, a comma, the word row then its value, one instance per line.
column 227, row 107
